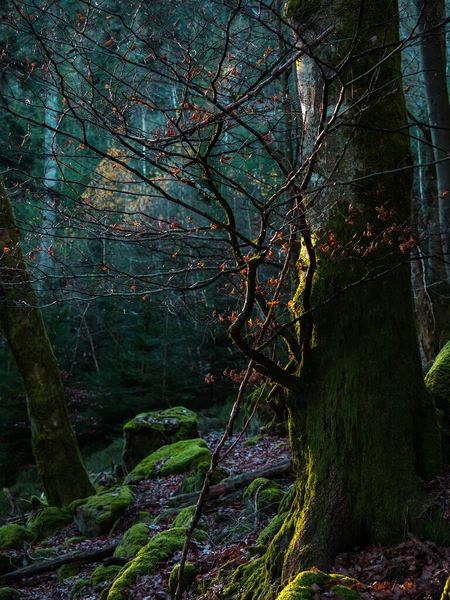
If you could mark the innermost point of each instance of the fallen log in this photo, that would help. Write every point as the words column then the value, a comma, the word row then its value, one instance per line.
column 232, row 484
column 88, row 556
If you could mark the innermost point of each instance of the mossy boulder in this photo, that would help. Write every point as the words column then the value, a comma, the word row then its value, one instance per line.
column 7, row 593
column 437, row 381
column 96, row 515
column 306, row 585
column 134, row 539
column 184, row 517
column 149, row 431
column 270, row 531
column 48, row 520
column 263, row 495
column 170, row 460
column 13, row 537
column 189, row 574
column 161, row 547
column 194, row 482
column 68, row 571
column 103, row 574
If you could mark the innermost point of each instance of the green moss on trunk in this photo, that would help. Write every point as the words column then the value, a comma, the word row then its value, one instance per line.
column 55, row 447
column 363, row 427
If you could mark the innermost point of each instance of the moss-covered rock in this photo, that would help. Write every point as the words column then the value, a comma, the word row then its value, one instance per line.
column 437, row 381
column 14, row 536
column 263, row 494
column 160, row 547
column 97, row 514
column 48, row 520
column 194, row 482
column 170, row 460
column 134, row 539
column 149, row 431
column 270, row 531
column 68, row 571
column 7, row 593
column 103, row 574
column 184, row 517
column 189, row 574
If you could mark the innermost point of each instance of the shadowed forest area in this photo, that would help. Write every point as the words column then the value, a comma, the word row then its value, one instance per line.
column 224, row 300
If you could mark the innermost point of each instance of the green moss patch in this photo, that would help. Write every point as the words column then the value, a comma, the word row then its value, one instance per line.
column 96, row 515
column 194, row 483
column 103, row 574
column 189, row 574
column 49, row 520
column 263, row 494
column 7, row 593
column 308, row 583
column 149, row 431
column 270, row 531
column 170, row 460
column 134, row 539
column 184, row 517
column 160, row 547
column 13, row 536
column 68, row 571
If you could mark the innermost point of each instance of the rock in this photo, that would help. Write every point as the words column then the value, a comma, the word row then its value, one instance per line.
column 189, row 574
column 96, row 515
column 48, row 520
column 149, row 431
column 263, row 495
column 161, row 547
column 103, row 574
column 13, row 536
column 170, row 460
column 184, row 517
column 7, row 593
column 194, row 483
column 134, row 539
column 68, row 571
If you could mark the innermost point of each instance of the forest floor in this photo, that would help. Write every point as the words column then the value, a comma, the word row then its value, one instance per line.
column 412, row 570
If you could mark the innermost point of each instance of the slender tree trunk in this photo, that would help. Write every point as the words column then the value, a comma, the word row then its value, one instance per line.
column 55, row 447
column 50, row 181
column 434, row 60
column 363, row 428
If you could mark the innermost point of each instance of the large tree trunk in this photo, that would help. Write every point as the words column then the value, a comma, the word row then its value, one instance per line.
column 363, row 428
column 55, row 447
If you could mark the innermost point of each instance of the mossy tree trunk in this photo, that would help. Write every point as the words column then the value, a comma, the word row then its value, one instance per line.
column 55, row 447
column 362, row 425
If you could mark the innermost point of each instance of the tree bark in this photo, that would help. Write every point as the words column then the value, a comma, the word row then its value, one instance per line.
column 434, row 60
column 55, row 447
column 363, row 428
